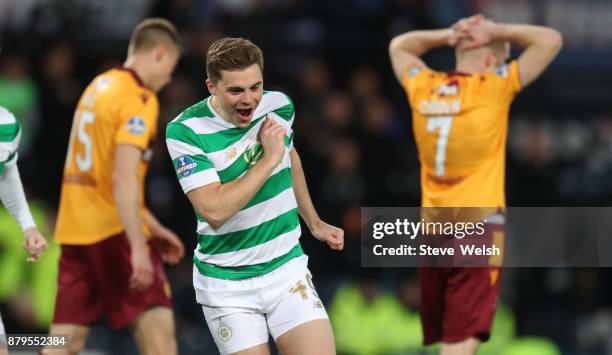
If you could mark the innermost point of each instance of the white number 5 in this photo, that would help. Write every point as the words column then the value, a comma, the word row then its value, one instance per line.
column 443, row 123
column 84, row 161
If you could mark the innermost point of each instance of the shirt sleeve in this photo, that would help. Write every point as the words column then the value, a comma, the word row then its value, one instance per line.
column 138, row 120
column 507, row 81
column 10, row 135
column 191, row 164
column 412, row 79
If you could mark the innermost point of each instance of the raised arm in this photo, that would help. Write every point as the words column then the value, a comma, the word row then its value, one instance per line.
column 217, row 202
column 541, row 44
column 405, row 50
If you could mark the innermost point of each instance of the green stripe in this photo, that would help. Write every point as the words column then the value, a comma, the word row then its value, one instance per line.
column 3, row 163
column 202, row 164
column 182, row 133
column 286, row 112
column 248, row 271
column 232, row 172
column 200, row 109
column 8, row 132
column 275, row 184
column 248, row 238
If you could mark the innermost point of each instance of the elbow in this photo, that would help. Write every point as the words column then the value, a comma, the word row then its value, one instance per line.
column 555, row 39
column 215, row 218
column 394, row 45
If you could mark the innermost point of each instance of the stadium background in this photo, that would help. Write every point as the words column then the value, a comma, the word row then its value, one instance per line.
column 353, row 133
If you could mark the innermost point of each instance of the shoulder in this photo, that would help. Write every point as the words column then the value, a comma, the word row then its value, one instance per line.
column 9, row 126
column 277, row 102
column 198, row 110
column 6, row 117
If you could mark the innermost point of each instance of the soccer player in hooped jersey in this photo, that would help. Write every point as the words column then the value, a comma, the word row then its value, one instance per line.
column 13, row 196
column 460, row 121
column 234, row 158
column 112, row 246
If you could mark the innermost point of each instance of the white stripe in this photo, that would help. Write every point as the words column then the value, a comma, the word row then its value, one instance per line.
column 6, row 117
column 198, row 179
column 254, row 215
column 270, row 102
column 178, row 149
column 258, row 254
column 204, row 125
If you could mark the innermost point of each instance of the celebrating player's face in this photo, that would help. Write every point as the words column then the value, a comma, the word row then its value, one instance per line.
column 238, row 93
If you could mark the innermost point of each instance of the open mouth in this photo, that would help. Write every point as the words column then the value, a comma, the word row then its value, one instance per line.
column 245, row 113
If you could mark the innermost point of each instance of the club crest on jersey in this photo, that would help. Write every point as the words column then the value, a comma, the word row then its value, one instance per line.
column 136, row 126
column 224, row 331
column 253, row 153
column 185, row 166
column 449, row 89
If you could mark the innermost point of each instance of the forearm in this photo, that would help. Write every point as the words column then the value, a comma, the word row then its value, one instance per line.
column 126, row 191
column 420, row 42
column 306, row 208
column 525, row 35
column 225, row 200
column 152, row 222
column 13, row 197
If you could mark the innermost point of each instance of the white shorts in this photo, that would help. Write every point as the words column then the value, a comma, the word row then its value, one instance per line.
column 271, row 304
column 2, row 335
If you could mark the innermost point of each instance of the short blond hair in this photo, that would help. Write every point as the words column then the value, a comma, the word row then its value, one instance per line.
column 151, row 32
column 231, row 54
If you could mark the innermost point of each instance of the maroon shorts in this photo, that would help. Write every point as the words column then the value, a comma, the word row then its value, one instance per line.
column 93, row 281
column 458, row 303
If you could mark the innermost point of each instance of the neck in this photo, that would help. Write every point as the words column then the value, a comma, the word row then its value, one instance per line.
column 215, row 105
column 470, row 68
column 134, row 64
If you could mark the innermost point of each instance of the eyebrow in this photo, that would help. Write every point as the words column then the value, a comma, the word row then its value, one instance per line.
column 239, row 88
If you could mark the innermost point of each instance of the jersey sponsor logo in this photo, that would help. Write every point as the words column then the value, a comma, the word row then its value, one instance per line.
column 231, row 154
column 185, row 166
column 449, row 89
column 224, row 331
column 136, row 126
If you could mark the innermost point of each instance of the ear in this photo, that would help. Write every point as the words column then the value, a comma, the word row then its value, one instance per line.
column 491, row 60
column 160, row 52
column 212, row 88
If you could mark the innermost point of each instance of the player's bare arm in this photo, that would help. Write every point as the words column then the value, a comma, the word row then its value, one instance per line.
column 333, row 236
column 218, row 202
column 126, row 191
column 13, row 198
column 541, row 44
column 167, row 243
column 407, row 49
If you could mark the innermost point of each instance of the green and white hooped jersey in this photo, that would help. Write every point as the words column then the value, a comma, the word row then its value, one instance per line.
column 10, row 133
column 265, row 233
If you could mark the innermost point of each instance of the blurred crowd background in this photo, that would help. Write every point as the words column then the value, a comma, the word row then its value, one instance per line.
column 353, row 131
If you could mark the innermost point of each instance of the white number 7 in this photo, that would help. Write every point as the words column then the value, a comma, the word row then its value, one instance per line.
column 443, row 123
